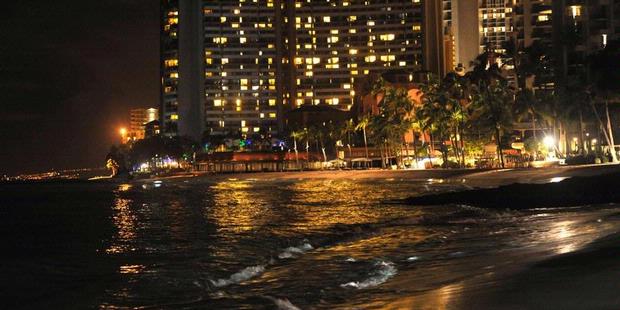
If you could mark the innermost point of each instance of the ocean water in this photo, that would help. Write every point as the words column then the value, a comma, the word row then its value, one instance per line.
column 271, row 244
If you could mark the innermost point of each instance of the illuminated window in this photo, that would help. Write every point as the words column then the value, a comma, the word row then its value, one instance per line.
column 575, row 10
column 388, row 57
column 174, row 116
column 387, row 37
column 172, row 62
column 220, row 40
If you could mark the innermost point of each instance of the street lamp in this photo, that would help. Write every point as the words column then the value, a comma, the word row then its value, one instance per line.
column 123, row 132
column 549, row 141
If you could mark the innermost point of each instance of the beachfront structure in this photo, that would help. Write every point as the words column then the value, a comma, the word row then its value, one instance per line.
column 236, row 68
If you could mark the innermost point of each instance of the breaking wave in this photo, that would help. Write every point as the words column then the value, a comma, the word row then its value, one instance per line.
column 253, row 271
column 385, row 270
column 283, row 303
column 293, row 251
column 243, row 275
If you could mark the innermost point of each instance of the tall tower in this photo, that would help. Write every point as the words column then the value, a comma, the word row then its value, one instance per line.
column 241, row 56
column 169, row 67
column 235, row 67
column 459, row 30
column 191, row 91
column 182, row 68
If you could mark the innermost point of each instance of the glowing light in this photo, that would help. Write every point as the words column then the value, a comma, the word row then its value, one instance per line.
column 123, row 131
column 549, row 141
column 557, row 179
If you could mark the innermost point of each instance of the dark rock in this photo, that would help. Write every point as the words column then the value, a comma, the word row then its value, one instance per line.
column 570, row 192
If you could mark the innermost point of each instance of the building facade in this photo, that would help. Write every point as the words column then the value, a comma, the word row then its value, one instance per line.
column 236, row 68
column 138, row 118
column 457, row 31
column 581, row 28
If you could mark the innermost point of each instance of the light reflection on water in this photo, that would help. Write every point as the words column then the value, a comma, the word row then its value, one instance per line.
column 237, row 208
column 174, row 240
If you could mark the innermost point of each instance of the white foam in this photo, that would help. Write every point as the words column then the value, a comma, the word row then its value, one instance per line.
column 283, row 304
column 413, row 258
column 243, row 275
column 384, row 272
column 292, row 251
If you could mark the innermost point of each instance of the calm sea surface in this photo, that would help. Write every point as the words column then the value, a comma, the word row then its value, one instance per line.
column 268, row 244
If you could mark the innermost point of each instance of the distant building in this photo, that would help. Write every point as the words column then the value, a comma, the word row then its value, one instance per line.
column 151, row 129
column 138, row 119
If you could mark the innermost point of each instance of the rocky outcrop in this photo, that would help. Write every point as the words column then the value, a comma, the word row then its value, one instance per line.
column 574, row 191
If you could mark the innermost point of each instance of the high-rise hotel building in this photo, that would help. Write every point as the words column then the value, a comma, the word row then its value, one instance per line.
column 235, row 67
column 457, row 31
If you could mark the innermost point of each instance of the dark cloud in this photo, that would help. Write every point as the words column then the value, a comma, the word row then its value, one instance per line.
column 69, row 72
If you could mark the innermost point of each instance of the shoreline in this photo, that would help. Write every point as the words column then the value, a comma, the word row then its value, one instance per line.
column 474, row 177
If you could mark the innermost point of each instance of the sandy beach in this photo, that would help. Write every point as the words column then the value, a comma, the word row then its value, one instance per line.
column 473, row 177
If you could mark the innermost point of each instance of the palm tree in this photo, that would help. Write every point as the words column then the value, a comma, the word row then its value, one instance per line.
column 441, row 113
column 394, row 119
column 525, row 108
column 348, row 128
column 361, row 125
column 296, row 135
column 606, row 73
column 318, row 135
column 493, row 102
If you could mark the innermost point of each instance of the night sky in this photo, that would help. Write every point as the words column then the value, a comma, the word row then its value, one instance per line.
column 69, row 73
